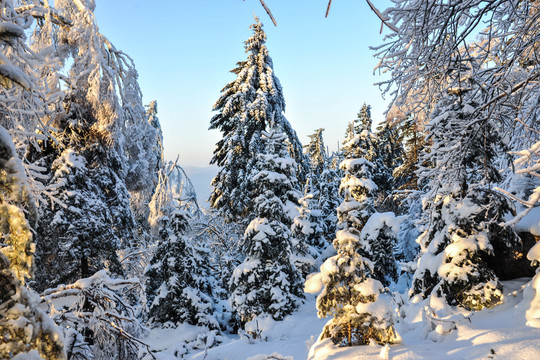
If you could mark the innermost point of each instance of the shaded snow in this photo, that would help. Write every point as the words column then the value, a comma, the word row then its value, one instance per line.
column 530, row 222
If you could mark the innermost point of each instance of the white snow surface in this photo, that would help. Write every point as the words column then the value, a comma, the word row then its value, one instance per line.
column 500, row 333
column 530, row 222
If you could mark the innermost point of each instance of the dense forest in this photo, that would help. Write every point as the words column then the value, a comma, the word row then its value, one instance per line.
column 102, row 239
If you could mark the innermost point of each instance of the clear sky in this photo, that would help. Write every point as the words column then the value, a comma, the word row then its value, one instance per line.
column 184, row 50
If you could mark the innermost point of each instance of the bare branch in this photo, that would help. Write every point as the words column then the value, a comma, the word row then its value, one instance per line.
column 268, row 12
column 328, row 8
column 379, row 15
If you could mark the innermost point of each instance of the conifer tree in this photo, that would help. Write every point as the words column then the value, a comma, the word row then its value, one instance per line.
column 328, row 196
column 307, row 240
column 24, row 327
column 267, row 283
column 316, row 153
column 363, row 121
column 413, row 139
column 359, row 141
column 244, row 109
column 90, row 219
column 178, row 287
column 349, row 132
column 354, row 299
column 92, row 166
column 389, row 155
column 379, row 238
column 463, row 216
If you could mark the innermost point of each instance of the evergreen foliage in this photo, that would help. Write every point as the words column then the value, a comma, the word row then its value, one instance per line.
column 24, row 328
column 178, row 286
column 462, row 215
column 413, row 139
column 88, row 222
column 389, row 156
column 267, row 283
column 307, row 240
column 379, row 238
column 328, row 196
column 316, row 153
column 245, row 108
column 360, row 312
column 222, row 240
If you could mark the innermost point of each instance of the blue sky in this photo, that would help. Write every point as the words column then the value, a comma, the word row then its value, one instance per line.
column 184, row 50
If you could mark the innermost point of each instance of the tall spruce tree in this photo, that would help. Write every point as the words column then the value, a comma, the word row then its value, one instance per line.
column 91, row 165
column 316, row 153
column 328, row 196
column 389, row 156
column 267, row 283
column 245, row 108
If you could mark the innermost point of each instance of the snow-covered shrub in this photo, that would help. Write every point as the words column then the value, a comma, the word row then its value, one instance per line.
column 97, row 320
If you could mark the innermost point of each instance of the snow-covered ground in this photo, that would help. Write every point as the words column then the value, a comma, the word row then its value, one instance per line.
column 498, row 333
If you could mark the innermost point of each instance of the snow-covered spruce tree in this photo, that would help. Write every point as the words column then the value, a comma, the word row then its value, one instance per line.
column 323, row 185
column 367, row 145
column 360, row 311
column 307, row 240
column 267, row 283
column 328, row 196
column 463, row 216
column 25, row 330
column 91, row 164
column 178, row 285
column 316, row 153
column 379, row 238
column 359, row 141
column 81, row 231
column 244, row 109
column 389, row 156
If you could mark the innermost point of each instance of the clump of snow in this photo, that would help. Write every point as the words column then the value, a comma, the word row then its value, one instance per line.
column 273, row 356
column 314, row 283
column 369, row 287
column 377, row 221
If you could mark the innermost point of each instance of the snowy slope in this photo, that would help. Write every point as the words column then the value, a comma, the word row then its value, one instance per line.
column 498, row 333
